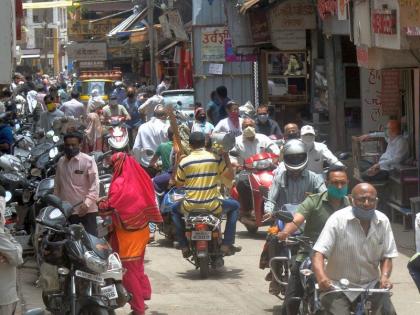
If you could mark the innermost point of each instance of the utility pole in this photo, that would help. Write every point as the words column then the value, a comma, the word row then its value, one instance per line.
column 151, row 31
column 330, row 73
column 45, row 48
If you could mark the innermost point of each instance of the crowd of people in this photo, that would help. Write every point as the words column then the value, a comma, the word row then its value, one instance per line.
column 344, row 229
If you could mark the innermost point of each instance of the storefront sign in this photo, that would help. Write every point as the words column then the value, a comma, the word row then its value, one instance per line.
column 172, row 26
column 216, row 68
column 384, row 22
column 213, row 43
column 326, row 8
column 293, row 15
column 230, row 55
column 391, row 98
column 289, row 40
column 82, row 28
column 260, row 30
column 87, row 51
column 92, row 64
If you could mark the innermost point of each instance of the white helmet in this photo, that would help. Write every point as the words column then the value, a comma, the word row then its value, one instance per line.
column 295, row 155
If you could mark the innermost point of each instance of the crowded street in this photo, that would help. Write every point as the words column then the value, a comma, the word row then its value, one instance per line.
column 176, row 157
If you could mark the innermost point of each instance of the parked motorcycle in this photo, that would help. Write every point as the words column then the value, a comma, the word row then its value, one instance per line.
column 260, row 168
column 86, row 265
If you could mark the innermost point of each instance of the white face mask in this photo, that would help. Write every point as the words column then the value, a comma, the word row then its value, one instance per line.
column 308, row 140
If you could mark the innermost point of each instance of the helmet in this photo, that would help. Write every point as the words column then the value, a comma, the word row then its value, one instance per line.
column 295, row 155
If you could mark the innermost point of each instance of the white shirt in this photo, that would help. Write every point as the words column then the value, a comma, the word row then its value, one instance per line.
column 226, row 125
column 395, row 153
column 351, row 254
column 317, row 155
column 149, row 106
column 261, row 143
column 149, row 136
column 206, row 127
column 73, row 108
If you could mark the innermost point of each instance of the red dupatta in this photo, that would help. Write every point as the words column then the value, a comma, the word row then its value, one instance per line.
column 131, row 194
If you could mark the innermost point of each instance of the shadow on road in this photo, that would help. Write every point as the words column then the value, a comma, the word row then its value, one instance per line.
column 260, row 235
column 157, row 313
column 276, row 310
column 223, row 273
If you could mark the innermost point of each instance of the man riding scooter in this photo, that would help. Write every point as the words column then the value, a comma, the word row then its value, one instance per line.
column 199, row 174
column 249, row 144
column 291, row 184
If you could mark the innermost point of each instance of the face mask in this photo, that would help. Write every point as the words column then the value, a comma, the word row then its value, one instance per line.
column 249, row 132
column 263, row 118
column 51, row 107
column 293, row 135
column 364, row 215
column 71, row 151
column 233, row 115
column 308, row 140
column 337, row 193
column 130, row 95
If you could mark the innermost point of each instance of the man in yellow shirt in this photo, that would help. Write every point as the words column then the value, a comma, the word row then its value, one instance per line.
column 200, row 174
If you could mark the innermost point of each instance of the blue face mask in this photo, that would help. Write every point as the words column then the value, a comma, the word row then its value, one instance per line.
column 337, row 193
column 362, row 214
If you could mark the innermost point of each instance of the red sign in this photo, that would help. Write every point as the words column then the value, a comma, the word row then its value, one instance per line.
column 362, row 56
column 384, row 22
column 326, row 8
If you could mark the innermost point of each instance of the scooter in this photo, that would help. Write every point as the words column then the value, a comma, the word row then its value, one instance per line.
column 260, row 168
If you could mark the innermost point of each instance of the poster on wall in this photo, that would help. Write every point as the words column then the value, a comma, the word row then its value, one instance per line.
column 213, row 43
column 320, row 86
column 391, row 96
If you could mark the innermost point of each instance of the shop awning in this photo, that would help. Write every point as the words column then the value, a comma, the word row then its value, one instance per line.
column 130, row 23
column 30, row 56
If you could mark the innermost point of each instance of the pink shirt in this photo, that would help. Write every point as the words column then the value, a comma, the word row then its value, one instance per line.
column 77, row 180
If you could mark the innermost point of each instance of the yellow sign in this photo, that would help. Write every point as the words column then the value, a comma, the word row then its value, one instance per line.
column 82, row 28
column 48, row 4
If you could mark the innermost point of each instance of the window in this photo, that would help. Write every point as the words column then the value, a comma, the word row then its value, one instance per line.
column 41, row 15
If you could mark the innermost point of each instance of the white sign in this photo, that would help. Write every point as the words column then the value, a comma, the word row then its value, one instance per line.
column 213, row 43
column 289, row 40
column 172, row 26
column 216, row 68
column 87, row 51
column 293, row 15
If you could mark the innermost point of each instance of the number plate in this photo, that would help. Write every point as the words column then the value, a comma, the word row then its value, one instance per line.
column 201, row 235
column 8, row 212
column 110, row 292
column 89, row 276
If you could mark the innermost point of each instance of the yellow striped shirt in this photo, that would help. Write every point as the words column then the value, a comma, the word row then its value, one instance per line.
column 200, row 174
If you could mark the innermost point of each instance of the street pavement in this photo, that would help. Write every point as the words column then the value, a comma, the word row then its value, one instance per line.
column 239, row 288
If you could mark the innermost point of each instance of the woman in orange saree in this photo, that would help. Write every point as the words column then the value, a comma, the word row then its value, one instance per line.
column 132, row 198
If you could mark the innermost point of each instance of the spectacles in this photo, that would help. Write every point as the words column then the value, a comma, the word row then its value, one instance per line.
column 368, row 199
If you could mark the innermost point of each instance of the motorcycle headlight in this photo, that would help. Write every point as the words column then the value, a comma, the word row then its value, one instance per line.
column 94, row 263
column 114, row 262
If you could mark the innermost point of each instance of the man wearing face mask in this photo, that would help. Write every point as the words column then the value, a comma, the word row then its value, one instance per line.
column 359, row 245
column 231, row 124
column 291, row 131
column 396, row 152
column 266, row 125
column 47, row 118
column 77, row 180
column 317, row 152
column 314, row 211
column 201, row 124
column 114, row 109
column 247, row 145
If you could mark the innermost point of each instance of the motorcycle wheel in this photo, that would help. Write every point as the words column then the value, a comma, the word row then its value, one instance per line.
column 204, row 267
column 94, row 310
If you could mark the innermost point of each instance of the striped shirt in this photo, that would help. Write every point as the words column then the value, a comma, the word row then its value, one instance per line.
column 200, row 174
column 350, row 253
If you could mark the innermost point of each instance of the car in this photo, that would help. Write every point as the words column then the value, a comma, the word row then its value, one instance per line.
column 182, row 100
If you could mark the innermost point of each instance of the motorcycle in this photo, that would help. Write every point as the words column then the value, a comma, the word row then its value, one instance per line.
column 117, row 138
column 260, row 168
column 167, row 228
column 89, row 273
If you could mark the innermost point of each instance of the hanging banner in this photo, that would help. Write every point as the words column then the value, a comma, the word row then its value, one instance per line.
column 391, row 96
column 213, row 43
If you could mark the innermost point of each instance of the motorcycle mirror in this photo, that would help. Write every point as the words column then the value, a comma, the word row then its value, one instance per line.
column 285, row 216
column 53, row 201
column 8, row 196
column 35, row 311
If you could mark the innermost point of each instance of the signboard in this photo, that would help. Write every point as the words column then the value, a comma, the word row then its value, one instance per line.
column 172, row 26
column 260, row 30
column 391, row 97
column 327, row 8
column 213, row 43
column 384, row 22
column 87, row 51
column 230, row 55
column 289, row 40
column 293, row 15
column 82, row 28
column 92, row 64
column 216, row 68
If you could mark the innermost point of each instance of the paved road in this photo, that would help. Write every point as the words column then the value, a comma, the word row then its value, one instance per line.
column 237, row 289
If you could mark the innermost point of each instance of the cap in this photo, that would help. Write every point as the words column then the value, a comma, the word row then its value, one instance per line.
column 305, row 130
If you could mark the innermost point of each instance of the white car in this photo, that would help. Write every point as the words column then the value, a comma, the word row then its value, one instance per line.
column 181, row 100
